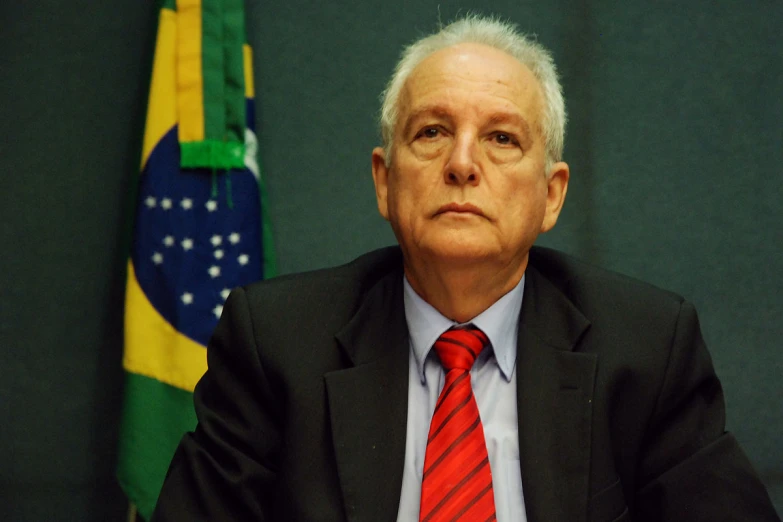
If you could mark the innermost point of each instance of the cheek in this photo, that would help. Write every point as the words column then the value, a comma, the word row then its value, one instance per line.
column 524, row 200
column 401, row 199
column 411, row 188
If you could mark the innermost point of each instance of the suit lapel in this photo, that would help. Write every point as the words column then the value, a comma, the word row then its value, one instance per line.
column 368, row 404
column 555, row 394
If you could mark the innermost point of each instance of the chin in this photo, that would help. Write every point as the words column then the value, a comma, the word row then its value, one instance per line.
column 460, row 251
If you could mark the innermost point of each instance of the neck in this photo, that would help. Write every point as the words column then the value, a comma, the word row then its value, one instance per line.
column 461, row 293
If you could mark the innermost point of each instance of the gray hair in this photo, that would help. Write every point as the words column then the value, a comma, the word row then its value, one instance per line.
column 500, row 35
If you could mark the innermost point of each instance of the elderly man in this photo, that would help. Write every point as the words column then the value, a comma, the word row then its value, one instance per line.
column 465, row 375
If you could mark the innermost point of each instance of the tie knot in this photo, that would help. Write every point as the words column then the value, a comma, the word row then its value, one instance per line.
column 458, row 347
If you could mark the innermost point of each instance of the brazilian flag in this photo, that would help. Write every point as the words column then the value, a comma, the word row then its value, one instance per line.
column 198, row 229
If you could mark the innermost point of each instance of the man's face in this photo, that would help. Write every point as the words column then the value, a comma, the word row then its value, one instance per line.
column 467, row 179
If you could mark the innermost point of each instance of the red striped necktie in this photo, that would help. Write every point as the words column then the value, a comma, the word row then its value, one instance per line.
column 457, row 481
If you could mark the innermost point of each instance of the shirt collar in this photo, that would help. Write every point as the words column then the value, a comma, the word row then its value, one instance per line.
column 500, row 322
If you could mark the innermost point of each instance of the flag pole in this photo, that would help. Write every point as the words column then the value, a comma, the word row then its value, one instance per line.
column 131, row 512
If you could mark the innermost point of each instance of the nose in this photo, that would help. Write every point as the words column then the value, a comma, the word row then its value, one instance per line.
column 463, row 167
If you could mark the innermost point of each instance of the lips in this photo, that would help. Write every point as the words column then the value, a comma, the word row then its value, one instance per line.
column 460, row 208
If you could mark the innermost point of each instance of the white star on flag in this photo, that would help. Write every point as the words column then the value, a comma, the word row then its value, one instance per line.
column 218, row 254
column 168, row 241
column 187, row 244
column 214, row 271
column 157, row 258
column 216, row 240
column 165, row 203
column 187, row 203
column 211, row 205
column 243, row 259
column 187, row 298
column 217, row 310
column 233, row 238
column 150, row 202
column 224, row 293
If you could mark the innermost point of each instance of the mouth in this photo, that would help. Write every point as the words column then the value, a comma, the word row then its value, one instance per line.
column 460, row 208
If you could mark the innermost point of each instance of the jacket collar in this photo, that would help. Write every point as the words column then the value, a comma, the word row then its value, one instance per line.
column 555, row 387
column 368, row 404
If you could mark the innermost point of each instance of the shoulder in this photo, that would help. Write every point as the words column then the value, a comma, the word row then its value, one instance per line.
column 353, row 277
column 326, row 293
column 600, row 293
column 291, row 321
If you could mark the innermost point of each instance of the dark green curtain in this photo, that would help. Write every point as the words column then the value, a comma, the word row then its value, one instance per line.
column 674, row 141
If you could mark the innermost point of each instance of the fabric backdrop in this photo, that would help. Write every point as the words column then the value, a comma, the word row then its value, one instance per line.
column 674, row 142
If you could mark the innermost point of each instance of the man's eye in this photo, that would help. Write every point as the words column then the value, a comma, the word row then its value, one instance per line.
column 429, row 132
column 504, row 139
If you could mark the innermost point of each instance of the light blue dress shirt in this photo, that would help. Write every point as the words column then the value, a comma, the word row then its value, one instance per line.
column 494, row 384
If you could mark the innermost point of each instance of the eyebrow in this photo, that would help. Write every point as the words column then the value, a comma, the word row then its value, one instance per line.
column 513, row 119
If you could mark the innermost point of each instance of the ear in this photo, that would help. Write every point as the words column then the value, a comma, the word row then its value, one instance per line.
column 557, row 186
column 380, row 176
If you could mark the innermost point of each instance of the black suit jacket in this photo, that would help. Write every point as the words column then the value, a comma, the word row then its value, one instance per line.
column 302, row 413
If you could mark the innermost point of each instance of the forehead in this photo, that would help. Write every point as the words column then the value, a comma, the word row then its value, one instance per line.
column 472, row 76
